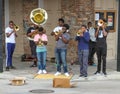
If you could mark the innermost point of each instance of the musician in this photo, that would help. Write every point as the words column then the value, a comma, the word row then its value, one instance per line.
column 40, row 40
column 92, row 43
column 83, row 50
column 101, row 35
column 57, row 29
column 32, row 44
column 10, row 34
column 62, row 40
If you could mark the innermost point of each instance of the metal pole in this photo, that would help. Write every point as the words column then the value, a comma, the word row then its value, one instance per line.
column 118, row 43
column 1, row 45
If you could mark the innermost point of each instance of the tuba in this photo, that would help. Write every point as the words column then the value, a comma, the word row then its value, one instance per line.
column 38, row 16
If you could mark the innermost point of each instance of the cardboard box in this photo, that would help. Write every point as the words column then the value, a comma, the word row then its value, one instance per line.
column 17, row 81
column 61, row 82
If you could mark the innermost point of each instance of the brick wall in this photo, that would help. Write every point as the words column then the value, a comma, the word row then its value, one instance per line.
column 76, row 13
column 28, row 6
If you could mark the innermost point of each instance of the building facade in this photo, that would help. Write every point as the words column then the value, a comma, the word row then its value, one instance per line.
column 74, row 12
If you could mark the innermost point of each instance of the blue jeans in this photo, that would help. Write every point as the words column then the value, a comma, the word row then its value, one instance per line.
column 60, row 55
column 9, row 53
column 41, row 56
column 83, row 60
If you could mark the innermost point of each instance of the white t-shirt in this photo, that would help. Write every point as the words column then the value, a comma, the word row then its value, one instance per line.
column 11, row 38
column 92, row 34
column 58, row 28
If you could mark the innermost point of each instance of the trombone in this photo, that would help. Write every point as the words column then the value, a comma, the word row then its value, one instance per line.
column 16, row 27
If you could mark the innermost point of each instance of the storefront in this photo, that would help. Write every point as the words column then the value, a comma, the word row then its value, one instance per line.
column 75, row 13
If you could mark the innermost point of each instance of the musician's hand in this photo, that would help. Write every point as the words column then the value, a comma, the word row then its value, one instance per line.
column 98, row 27
column 103, row 26
column 81, row 34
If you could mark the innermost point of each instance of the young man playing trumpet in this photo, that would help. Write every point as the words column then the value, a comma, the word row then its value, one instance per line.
column 83, row 50
column 101, row 35
column 40, row 40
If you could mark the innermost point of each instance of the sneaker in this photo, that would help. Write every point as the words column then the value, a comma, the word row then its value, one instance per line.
column 97, row 73
column 66, row 74
column 57, row 73
column 44, row 71
column 39, row 72
column 33, row 65
column 12, row 67
column 104, row 73
column 94, row 64
column 7, row 68
column 81, row 75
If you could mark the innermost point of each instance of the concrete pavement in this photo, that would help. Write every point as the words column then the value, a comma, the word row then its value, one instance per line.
column 90, row 85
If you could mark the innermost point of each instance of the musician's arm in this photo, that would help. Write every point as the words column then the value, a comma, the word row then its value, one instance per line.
column 105, row 32
column 97, row 31
column 64, row 40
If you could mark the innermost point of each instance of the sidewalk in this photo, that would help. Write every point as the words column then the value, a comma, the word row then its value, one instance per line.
column 90, row 85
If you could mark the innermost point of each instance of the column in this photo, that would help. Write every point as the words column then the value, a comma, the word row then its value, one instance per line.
column 118, row 43
column 41, row 3
column 1, row 46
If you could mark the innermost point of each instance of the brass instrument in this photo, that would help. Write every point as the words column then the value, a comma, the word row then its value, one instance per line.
column 16, row 27
column 33, row 34
column 102, row 23
column 79, row 32
column 58, row 32
column 38, row 16
column 40, row 43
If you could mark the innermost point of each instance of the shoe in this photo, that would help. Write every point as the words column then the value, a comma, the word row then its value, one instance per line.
column 104, row 73
column 39, row 72
column 66, row 74
column 97, row 73
column 7, row 68
column 81, row 75
column 44, row 71
column 85, row 76
column 94, row 64
column 34, row 65
column 12, row 67
column 57, row 73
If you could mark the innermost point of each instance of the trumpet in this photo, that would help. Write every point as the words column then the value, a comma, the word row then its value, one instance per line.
column 40, row 43
column 102, row 23
column 79, row 32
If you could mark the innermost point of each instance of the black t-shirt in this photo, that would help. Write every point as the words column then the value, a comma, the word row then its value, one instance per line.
column 101, row 39
column 29, row 31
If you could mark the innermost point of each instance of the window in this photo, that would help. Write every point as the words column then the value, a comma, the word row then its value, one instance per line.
column 109, row 16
